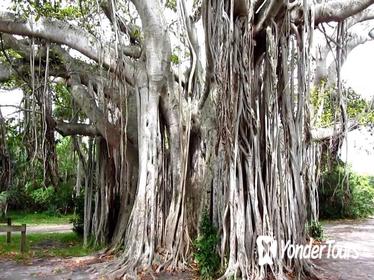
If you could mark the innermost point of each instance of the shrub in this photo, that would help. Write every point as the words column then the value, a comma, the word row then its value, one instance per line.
column 362, row 204
column 315, row 230
column 18, row 198
column 43, row 197
column 78, row 219
column 344, row 195
column 206, row 255
column 63, row 201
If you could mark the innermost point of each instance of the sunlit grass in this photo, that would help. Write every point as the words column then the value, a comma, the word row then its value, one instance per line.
column 35, row 218
column 44, row 245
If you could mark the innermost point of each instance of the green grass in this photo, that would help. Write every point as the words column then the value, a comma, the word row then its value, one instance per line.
column 38, row 218
column 44, row 245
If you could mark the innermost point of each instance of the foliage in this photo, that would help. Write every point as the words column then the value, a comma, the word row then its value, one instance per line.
column 206, row 255
column 63, row 102
column 50, row 9
column 357, row 107
column 362, row 198
column 171, row 4
column 136, row 33
column 83, row 12
column 64, row 105
column 42, row 197
column 10, row 53
column 315, row 230
column 345, row 195
column 18, row 198
column 66, row 161
column 4, row 196
column 6, row 57
column 22, row 173
column 9, row 84
column 174, row 59
column 28, row 189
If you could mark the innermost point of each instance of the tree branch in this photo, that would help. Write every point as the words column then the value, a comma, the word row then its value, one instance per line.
column 66, row 129
column 358, row 35
column 71, row 129
column 10, row 42
column 128, row 29
column 58, row 32
column 69, row 66
column 269, row 10
column 86, row 102
column 324, row 133
column 371, row 34
column 133, row 50
column 367, row 14
column 338, row 10
column 63, row 33
column 88, row 106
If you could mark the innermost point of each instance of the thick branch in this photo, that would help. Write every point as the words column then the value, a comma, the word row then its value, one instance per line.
column 10, row 42
column 339, row 10
column 63, row 33
column 367, row 14
column 88, row 106
column 68, row 65
column 324, row 133
column 66, row 129
column 58, row 32
column 87, row 103
column 71, row 129
column 267, row 11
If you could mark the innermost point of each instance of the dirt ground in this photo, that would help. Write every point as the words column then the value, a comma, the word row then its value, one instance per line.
column 51, row 269
column 63, row 268
column 355, row 235
column 350, row 235
column 66, row 269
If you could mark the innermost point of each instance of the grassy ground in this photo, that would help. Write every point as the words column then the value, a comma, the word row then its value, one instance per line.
column 44, row 245
column 38, row 218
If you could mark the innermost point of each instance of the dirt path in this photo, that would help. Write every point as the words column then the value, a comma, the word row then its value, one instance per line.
column 355, row 235
column 47, row 228
column 50, row 228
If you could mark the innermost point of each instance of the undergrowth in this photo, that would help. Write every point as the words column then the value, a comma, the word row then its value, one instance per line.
column 206, row 256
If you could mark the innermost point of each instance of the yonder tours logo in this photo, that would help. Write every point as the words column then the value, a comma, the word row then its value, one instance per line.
column 268, row 248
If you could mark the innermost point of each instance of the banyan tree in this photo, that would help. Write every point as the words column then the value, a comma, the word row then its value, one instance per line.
column 184, row 106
